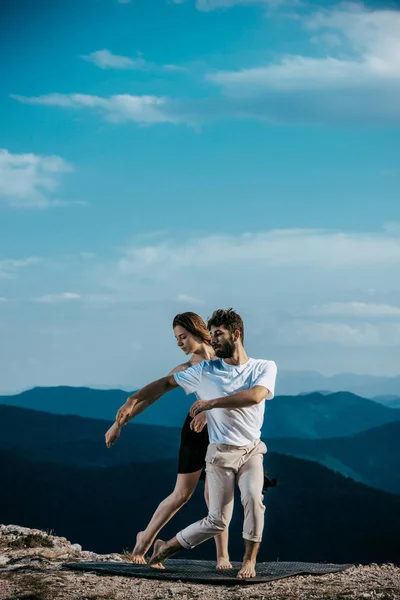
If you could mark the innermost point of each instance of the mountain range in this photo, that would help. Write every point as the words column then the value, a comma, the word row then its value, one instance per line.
column 313, row 515
column 371, row 457
column 311, row 416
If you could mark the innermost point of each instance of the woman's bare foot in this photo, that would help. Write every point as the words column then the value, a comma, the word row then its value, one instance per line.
column 140, row 549
column 248, row 570
column 223, row 564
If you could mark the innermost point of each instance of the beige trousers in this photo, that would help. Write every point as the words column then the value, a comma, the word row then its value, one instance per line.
column 226, row 465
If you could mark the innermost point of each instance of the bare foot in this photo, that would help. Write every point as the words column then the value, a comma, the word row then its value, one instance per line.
column 162, row 550
column 140, row 549
column 158, row 565
column 248, row 570
column 223, row 564
column 137, row 559
column 158, row 548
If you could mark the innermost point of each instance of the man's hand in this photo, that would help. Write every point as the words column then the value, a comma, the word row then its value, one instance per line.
column 199, row 422
column 124, row 413
column 112, row 435
column 200, row 406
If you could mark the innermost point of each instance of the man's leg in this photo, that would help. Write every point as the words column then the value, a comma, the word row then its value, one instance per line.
column 221, row 488
column 250, row 481
column 221, row 540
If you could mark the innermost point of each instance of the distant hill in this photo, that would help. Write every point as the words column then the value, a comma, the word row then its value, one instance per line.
column 313, row 515
column 78, row 441
column 306, row 416
column 170, row 410
column 389, row 401
column 371, row 457
column 323, row 416
column 367, row 386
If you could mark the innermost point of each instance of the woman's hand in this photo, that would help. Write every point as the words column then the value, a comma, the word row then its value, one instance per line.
column 199, row 422
column 112, row 435
column 124, row 412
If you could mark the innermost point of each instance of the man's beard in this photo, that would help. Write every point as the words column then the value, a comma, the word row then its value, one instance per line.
column 225, row 351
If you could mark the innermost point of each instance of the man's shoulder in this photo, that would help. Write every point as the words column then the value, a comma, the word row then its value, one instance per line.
column 263, row 363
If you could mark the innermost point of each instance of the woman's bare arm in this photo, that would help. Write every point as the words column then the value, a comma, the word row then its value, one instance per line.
column 140, row 400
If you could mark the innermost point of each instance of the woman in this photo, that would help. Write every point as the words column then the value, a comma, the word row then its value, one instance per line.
column 193, row 338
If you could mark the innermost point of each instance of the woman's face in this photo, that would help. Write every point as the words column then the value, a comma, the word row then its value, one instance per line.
column 187, row 342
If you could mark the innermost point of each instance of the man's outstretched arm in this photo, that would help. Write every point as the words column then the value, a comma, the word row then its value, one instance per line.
column 239, row 400
column 140, row 400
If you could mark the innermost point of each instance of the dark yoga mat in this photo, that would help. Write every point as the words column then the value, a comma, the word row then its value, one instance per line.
column 203, row 571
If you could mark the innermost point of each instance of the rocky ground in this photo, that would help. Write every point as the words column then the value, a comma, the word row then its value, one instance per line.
column 31, row 560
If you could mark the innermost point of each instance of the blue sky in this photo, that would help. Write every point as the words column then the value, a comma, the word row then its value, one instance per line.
column 165, row 156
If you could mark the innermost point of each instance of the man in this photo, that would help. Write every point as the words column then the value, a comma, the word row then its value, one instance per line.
column 232, row 389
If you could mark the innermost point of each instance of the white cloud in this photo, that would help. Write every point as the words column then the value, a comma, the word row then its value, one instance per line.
column 2, row 300
column 117, row 109
column 31, row 180
column 105, row 59
column 357, row 81
column 361, row 83
column 357, row 309
column 10, row 267
column 270, row 250
column 189, row 299
column 55, row 298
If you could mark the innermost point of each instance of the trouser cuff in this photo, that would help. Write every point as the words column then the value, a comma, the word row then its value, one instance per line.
column 183, row 542
column 251, row 538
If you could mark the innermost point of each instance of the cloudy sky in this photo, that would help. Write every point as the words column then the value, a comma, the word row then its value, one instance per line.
column 158, row 156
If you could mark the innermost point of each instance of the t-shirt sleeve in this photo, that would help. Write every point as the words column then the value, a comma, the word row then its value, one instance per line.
column 267, row 377
column 189, row 379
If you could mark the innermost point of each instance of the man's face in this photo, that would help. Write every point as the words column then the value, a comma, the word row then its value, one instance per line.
column 222, row 341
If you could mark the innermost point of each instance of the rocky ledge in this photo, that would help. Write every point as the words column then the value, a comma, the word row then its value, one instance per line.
column 31, row 560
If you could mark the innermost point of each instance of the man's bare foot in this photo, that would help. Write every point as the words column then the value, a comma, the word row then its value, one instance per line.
column 223, row 564
column 248, row 570
column 158, row 565
column 162, row 550
column 140, row 549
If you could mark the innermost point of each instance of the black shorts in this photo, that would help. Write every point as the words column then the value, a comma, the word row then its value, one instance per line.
column 193, row 448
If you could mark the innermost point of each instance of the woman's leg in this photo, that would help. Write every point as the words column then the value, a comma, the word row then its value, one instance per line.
column 221, row 541
column 184, row 488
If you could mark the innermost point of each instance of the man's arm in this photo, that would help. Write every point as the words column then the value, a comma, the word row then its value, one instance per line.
column 140, row 400
column 239, row 400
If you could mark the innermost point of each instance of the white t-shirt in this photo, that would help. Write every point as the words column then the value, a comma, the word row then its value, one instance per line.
column 216, row 378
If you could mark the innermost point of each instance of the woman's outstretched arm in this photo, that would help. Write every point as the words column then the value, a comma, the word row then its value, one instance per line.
column 140, row 400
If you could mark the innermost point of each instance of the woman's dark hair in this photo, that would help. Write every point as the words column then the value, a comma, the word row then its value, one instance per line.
column 194, row 324
column 229, row 319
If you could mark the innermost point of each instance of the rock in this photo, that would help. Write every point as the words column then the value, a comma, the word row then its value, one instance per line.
column 37, row 569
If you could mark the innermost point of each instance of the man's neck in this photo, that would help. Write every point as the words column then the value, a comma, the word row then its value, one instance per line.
column 239, row 357
column 205, row 353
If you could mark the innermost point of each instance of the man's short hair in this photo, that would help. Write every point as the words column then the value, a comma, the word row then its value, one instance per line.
column 229, row 319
